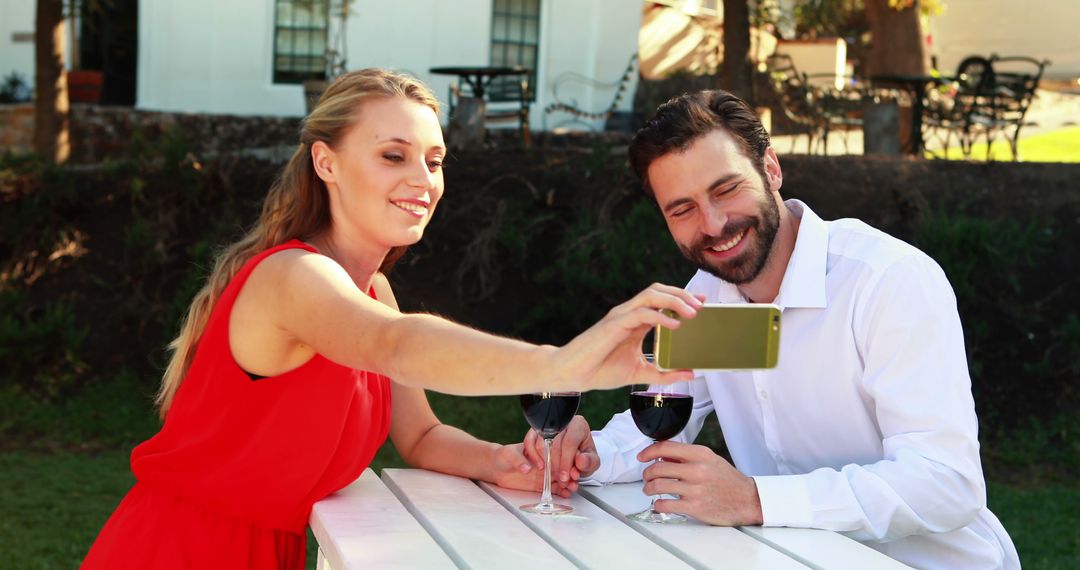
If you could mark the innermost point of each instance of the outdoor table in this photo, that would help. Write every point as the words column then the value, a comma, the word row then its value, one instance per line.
column 479, row 77
column 916, row 86
column 413, row 518
column 467, row 115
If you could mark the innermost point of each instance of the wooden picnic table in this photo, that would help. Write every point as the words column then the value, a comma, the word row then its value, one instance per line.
column 413, row 518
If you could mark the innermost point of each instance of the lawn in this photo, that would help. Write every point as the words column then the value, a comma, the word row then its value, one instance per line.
column 54, row 497
column 1056, row 146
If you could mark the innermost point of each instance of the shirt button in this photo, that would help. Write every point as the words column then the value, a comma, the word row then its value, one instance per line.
column 763, row 395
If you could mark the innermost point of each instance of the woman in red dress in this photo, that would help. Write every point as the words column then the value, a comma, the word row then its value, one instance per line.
column 278, row 392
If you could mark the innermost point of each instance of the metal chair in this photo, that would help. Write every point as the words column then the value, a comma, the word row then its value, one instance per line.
column 507, row 90
column 580, row 116
column 1015, row 81
column 989, row 97
column 950, row 107
column 817, row 108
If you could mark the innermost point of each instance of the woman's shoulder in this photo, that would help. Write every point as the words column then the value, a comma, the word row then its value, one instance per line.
column 384, row 292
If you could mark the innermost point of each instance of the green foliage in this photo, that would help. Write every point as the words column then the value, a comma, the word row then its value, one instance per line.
column 113, row 411
column 1039, row 450
column 981, row 256
column 13, row 89
column 997, row 271
column 40, row 347
column 600, row 263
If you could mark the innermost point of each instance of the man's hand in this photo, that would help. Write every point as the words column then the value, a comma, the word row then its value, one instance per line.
column 573, row 455
column 709, row 488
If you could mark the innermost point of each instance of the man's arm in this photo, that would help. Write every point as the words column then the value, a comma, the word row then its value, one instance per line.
column 619, row 442
column 915, row 369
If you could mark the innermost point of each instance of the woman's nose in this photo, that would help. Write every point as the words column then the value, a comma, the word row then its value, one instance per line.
column 422, row 177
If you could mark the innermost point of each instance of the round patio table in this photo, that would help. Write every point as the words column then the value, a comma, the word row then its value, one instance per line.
column 478, row 77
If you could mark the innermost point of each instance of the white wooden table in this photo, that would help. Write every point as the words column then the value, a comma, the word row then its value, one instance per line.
column 412, row 518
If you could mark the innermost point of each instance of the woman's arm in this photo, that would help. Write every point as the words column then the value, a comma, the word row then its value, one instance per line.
column 423, row 441
column 312, row 299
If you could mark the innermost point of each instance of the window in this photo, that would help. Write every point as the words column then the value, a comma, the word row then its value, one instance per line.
column 300, row 40
column 515, row 35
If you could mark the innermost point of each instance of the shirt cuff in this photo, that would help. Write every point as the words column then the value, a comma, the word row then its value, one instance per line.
column 605, row 450
column 784, row 501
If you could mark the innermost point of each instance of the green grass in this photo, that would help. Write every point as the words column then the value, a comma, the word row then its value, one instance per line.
column 1042, row 523
column 1056, row 146
column 52, row 506
column 57, row 491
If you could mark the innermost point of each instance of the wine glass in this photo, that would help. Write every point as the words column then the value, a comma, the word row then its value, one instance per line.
column 549, row 413
column 660, row 412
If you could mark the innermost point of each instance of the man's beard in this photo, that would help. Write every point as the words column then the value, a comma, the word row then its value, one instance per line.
column 748, row 265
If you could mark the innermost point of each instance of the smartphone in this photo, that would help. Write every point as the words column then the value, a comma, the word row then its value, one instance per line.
column 727, row 336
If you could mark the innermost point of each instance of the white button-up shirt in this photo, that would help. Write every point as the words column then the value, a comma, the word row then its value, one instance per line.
column 867, row 425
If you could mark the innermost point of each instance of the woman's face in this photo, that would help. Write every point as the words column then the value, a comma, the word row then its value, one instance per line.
column 385, row 176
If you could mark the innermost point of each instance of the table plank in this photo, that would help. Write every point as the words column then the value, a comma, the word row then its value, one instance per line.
column 822, row 548
column 589, row 537
column 698, row 544
column 364, row 525
column 474, row 530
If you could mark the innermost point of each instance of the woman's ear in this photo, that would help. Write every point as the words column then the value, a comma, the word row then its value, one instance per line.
column 324, row 160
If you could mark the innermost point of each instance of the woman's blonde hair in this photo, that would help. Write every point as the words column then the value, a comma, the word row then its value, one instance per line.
column 297, row 205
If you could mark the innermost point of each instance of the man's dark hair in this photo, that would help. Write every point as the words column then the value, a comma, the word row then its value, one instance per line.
column 686, row 118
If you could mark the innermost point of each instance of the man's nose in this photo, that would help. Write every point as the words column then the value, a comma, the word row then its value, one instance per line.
column 713, row 221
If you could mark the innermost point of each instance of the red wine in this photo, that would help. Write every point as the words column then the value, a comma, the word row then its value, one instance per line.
column 548, row 413
column 660, row 416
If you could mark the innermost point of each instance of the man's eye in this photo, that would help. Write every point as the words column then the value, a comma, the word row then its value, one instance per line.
column 680, row 213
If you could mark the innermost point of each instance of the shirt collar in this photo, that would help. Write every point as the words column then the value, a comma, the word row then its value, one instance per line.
column 803, row 285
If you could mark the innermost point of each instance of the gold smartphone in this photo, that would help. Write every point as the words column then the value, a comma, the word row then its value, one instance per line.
column 727, row 336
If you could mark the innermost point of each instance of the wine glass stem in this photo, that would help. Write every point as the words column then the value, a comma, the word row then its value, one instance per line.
column 652, row 506
column 545, row 498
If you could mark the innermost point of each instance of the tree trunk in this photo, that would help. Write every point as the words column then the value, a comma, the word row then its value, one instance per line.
column 897, row 46
column 736, row 72
column 51, row 136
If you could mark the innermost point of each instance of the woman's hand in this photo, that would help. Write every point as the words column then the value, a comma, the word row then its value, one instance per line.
column 608, row 354
column 573, row 455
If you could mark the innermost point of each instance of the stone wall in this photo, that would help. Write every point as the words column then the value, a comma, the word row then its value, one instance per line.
column 16, row 127
column 100, row 132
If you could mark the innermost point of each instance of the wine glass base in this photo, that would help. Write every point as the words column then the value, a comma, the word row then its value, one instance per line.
column 651, row 516
column 547, row 509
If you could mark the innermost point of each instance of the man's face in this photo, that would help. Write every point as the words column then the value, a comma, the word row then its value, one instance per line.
column 720, row 210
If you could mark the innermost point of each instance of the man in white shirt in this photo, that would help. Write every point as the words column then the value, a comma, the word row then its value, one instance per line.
column 867, row 426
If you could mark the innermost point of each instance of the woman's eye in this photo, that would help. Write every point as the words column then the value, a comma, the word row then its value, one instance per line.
column 394, row 157
column 434, row 164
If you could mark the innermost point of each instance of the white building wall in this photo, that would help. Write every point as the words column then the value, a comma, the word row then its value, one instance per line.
column 211, row 56
column 1043, row 29
column 17, row 17
column 585, row 47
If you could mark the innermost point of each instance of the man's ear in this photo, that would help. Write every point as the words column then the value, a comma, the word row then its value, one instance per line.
column 773, row 175
column 324, row 160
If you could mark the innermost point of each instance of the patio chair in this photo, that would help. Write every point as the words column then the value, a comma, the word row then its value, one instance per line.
column 505, row 90
column 950, row 107
column 817, row 108
column 583, row 117
column 1015, row 81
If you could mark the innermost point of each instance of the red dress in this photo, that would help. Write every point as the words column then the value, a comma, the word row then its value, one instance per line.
column 230, row 479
